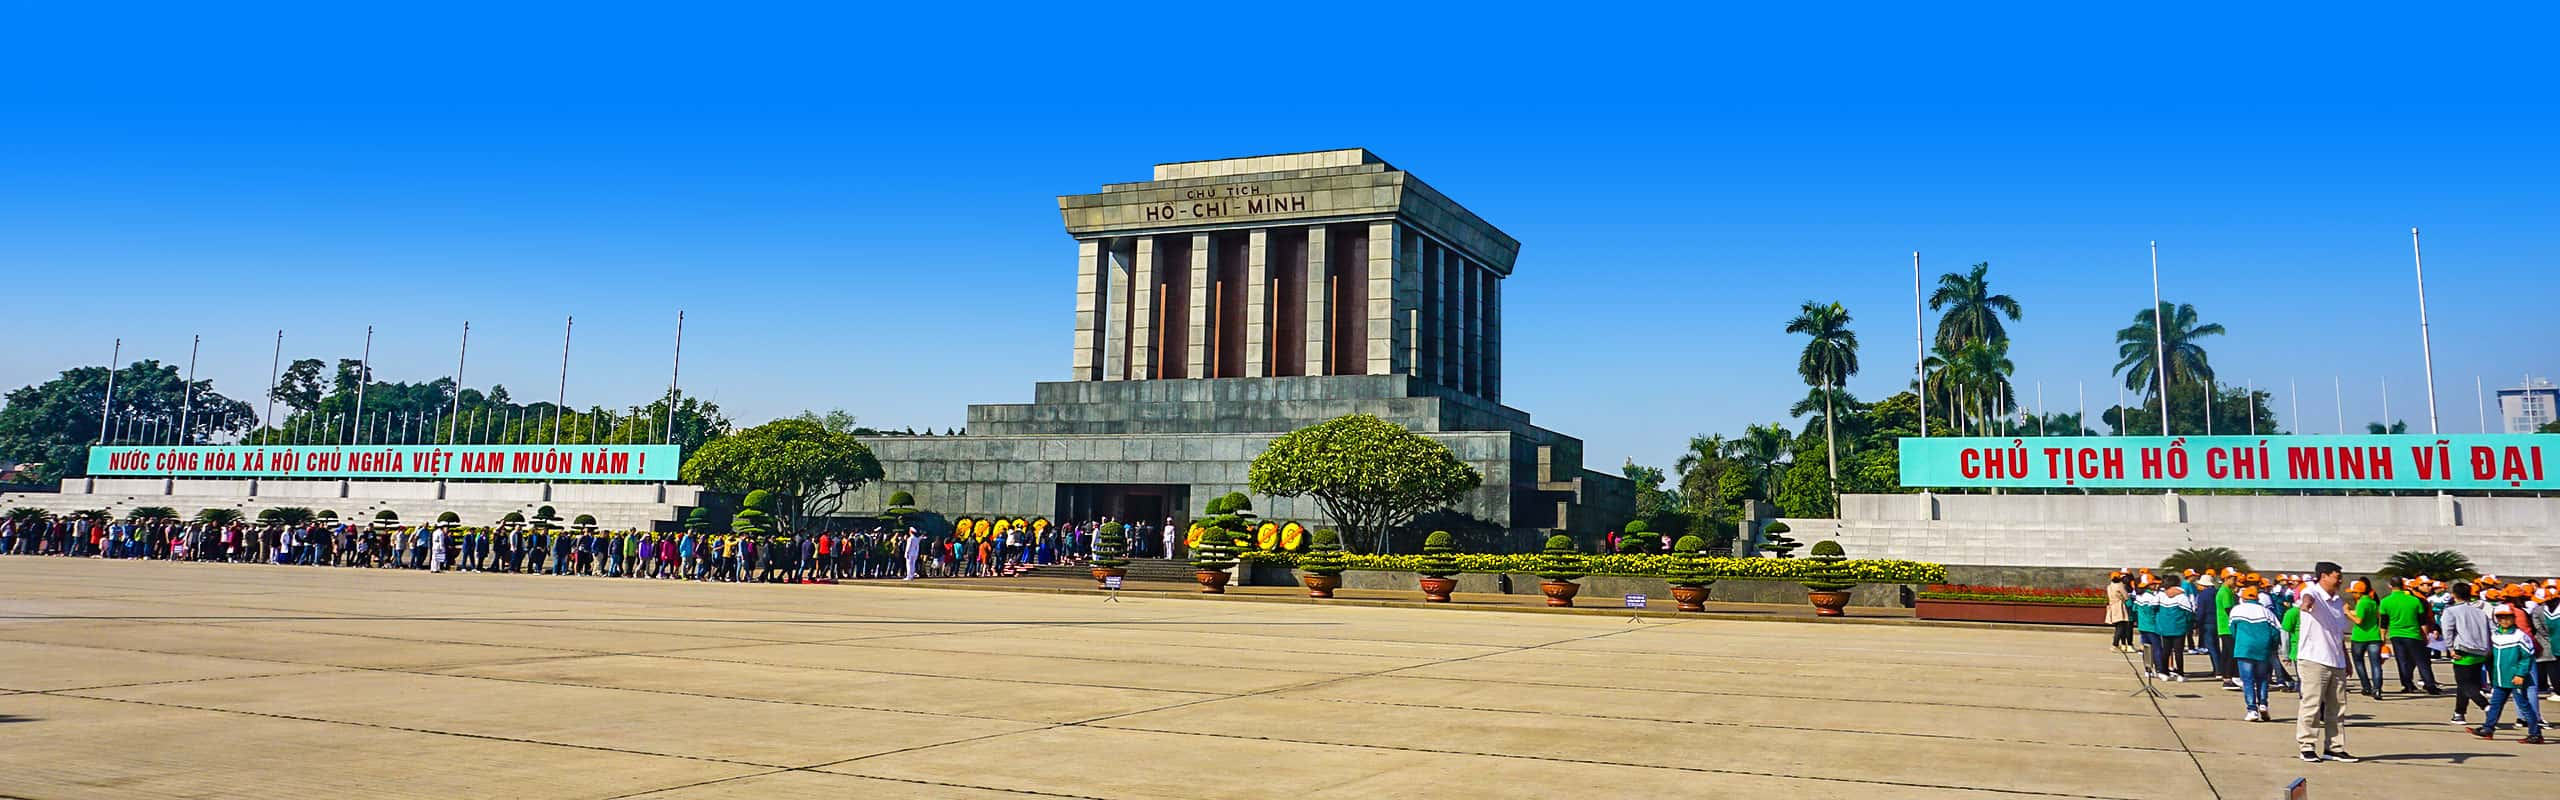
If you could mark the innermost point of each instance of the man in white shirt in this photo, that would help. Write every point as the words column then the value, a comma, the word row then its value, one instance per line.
column 2323, row 660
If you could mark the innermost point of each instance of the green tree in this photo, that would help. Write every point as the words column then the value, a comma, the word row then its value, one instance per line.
column 1654, row 504
column 1369, row 475
column 1973, row 312
column 2397, row 426
column 1759, row 455
column 2141, row 348
column 54, row 423
column 1830, row 356
column 810, row 466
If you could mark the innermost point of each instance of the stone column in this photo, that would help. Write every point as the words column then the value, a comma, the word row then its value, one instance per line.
column 1395, row 295
column 1460, row 347
column 1082, row 366
column 1492, row 316
column 1200, row 302
column 1142, row 313
column 1476, row 277
column 1257, row 303
column 1116, row 273
column 1429, row 344
column 1319, row 301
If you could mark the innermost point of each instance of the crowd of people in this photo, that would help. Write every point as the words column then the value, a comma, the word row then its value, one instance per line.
column 2323, row 637
column 784, row 557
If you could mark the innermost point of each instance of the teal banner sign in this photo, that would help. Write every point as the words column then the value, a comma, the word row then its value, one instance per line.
column 2511, row 462
column 568, row 462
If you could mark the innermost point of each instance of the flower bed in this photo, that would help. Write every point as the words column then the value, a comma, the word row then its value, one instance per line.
column 2015, row 594
column 2012, row 604
column 1872, row 570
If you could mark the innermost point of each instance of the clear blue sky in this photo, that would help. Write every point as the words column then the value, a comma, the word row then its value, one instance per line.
column 855, row 207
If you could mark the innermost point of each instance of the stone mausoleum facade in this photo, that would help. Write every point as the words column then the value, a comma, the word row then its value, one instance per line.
column 1227, row 302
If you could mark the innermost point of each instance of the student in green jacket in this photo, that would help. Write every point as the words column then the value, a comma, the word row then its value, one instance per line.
column 2511, row 676
column 2292, row 646
column 2255, row 639
column 2176, row 618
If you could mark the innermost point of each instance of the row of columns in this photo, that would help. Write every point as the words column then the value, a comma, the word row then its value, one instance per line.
column 1367, row 298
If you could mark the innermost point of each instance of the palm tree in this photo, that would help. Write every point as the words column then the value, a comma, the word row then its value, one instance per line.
column 2140, row 349
column 27, row 517
column 1985, row 367
column 1830, row 357
column 1972, row 312
column 1703, row 449
column 2396, row 427
column 2447, row 565
column 1760, row 452
column 219, row 517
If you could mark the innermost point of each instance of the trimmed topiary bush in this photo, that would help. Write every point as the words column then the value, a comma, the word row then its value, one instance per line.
column 1560, row 560
column 517, row 518
column 584, row 521
column 1111, row 546
column 901, row 499
column 1439, row 556
column 448, row 518
column 1216, row 551
column 1324, row 554
column 1831, row 576
column 696, row 521
column 1688, row 563
column 1774, row 540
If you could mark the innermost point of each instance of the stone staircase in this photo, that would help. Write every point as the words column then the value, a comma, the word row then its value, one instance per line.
column 1161, row 570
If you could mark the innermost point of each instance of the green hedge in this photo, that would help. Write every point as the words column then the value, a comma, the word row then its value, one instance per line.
column 1865, row 570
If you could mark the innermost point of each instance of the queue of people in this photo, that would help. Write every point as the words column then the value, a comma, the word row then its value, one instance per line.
column 777, row 557
column 2323, row 638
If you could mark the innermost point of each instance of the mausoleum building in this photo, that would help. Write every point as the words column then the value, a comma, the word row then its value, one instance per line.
column 1224, row 303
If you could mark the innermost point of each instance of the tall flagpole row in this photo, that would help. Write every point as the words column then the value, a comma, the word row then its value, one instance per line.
column 2425, row 347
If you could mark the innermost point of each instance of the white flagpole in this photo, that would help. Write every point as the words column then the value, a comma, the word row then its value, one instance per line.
column 1919, row 346
column 458, row 361
column 269, row 418
column 2252, row 389
column 2425, row 346
column 364, row 370
column 106, row 408
column 2159, row 338
column 2040, row 410
column 186, row 408
column 2123, row 415
column 2479, row 396
column 2339, row 388
column 2293, row 393
column 675, row 386
column 563, row 404
column 2386, row 404
column 2084, row 410
column 2211, row 388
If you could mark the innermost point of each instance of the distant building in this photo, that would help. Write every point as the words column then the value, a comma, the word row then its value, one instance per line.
column 2528, row 407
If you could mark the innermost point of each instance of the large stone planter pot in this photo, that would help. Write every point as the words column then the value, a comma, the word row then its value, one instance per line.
column 1997, row 611
column 1320, row 585
column 1560, row 593
column 1436, row 590
column 1212, row 581
column 1827, row 604
column 1694, row 598
column 1101, row 574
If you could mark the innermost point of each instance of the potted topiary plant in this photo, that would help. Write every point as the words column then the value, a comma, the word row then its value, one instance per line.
column 1110, row 554
column 1439, row 567
column 1688, row 576
column 584, row 521
column 1323, row 564
column 1212, row 557
column 1829, row 584
column 1774, row 541
column 1636, row 538
column 1559, row 564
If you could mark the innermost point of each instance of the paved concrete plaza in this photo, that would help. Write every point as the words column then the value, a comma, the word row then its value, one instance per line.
column 133, row 679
